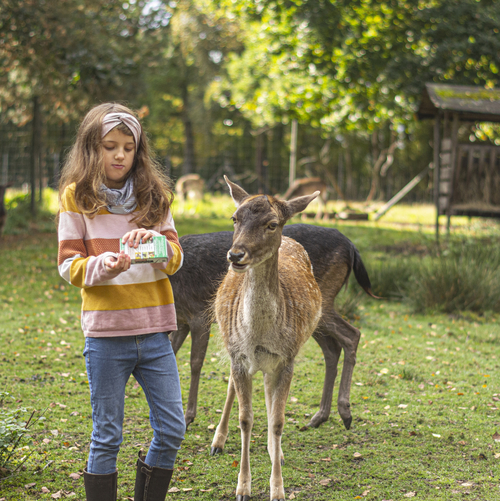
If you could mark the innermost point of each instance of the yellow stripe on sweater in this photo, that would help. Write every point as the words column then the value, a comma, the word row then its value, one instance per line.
column 175, row 262
column 127, row 297
column 77, row 271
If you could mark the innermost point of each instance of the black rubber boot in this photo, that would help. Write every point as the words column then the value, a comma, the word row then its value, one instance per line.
column 151, row 482
column 100, row 487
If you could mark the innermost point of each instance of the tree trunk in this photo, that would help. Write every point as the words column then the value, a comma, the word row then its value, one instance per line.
column 189, row 162
column 35, row 152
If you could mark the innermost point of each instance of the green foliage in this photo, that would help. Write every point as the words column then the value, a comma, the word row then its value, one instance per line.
column 13, row 429
column 20, row 219
column 356, row 64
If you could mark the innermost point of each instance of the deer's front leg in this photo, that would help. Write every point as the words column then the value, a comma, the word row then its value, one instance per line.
column 222, row 430
column 278, row 388
column 200, row 334
column 243, row 388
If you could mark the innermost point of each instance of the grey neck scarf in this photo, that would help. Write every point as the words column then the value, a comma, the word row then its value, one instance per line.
column 120, row 201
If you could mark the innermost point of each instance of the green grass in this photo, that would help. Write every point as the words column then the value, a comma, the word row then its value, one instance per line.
column 424, row 398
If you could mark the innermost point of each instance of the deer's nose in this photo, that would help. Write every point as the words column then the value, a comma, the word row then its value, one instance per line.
column 235, row 257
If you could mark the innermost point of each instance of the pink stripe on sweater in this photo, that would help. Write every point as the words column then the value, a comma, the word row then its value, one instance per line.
column 117, row 323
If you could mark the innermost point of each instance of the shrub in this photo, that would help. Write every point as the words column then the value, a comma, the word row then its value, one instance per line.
column 465, row 277
column 13, row 434
column 391, row 277
column 19, row 218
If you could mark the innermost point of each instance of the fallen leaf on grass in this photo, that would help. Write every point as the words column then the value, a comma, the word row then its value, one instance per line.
column 29, row 486
column 234, row 464
column 496, row 436
column 74, row 476
column 497, row 456
column 325, row 481
column 56, row 495
column 291, row 496
column 326, row 459
column 436, row 435
column 173, row 489
column 294, row 400
column 357, row 455
column 187, row 489
column 211, row 427
column 467, row 484
column 410, row 494
column 45, row 490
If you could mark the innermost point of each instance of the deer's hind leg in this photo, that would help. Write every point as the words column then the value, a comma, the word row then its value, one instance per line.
column 331, row 353
column 348, row 337
column 344, row 336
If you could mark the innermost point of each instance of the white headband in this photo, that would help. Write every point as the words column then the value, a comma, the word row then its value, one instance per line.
column 111, row 120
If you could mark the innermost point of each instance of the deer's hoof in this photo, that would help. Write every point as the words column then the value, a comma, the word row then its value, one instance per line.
column 215, row 450
column 282, row 461
column 239, row 497
column 347, row 423
column 317, row 420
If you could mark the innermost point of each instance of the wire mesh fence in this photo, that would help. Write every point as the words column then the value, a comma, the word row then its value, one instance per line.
column 258, row 161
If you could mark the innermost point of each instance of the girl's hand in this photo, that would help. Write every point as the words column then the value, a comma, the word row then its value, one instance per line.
column 117, row 264
column 136, row 237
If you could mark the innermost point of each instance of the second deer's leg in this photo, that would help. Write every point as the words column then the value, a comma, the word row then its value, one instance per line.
column 200, row 335
column 348, row 337
column 222, row 430
column 178, row 337
column 331, row 353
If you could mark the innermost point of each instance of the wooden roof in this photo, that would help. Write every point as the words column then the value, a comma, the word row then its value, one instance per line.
column 473, row 104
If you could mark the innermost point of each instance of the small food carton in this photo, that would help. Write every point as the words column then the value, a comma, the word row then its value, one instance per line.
column 153, row 251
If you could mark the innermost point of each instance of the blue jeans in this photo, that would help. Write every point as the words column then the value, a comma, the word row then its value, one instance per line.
column 110, row 362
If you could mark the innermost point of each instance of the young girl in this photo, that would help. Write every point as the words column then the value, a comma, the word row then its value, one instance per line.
column 112, row 189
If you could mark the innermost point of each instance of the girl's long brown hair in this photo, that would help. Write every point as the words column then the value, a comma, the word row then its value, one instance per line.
column 84, row 166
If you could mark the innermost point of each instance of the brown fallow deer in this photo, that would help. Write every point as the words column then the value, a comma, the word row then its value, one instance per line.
column 307, row 186
column 190, row 187
column 333, row 257
column 267, row 307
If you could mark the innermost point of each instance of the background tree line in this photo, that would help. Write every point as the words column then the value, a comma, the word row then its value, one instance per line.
column 219, row 82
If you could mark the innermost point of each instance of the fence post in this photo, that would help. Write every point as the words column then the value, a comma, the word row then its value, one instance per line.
column 55, row 176
column 5, row 169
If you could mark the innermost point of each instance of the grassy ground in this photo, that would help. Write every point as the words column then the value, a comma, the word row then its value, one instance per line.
column 425, row 396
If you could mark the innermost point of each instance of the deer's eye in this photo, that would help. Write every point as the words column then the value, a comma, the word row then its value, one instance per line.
column 233, row 219
column 272, row 226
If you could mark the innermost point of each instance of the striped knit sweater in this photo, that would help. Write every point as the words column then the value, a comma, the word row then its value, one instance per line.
column 136, row 301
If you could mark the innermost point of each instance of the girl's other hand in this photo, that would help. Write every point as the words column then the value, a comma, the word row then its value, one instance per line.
column 136, row 237
column 117, row 264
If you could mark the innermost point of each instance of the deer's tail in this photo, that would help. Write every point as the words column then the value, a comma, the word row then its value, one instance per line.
column 361, row 274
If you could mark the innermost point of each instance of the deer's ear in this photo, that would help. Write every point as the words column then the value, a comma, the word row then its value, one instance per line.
column 238, row 194
column 300, row 203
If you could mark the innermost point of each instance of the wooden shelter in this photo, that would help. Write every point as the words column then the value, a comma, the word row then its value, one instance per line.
column 466, row 175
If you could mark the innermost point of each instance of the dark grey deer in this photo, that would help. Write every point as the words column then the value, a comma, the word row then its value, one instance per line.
column 333, row 257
